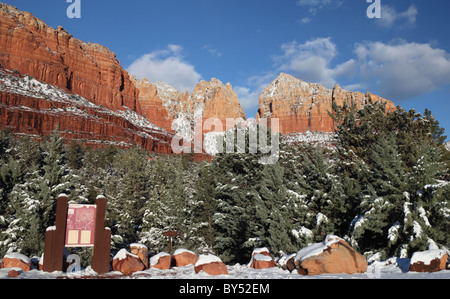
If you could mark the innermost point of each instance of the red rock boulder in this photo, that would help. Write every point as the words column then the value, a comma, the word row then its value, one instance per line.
column 161, row 261
column 14, row 273
column 16, row 260
column 211, row 265
column 428, row 261
column 127, row 263
column 333, row 255
column 141, row 251
column 262, row 261
column 184, row 257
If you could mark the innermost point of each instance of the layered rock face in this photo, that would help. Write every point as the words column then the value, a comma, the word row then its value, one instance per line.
column 163, row 104
column 80, row 88
column 216, row 101
column 54, row 56
column 151, row 102
column 34, row 108
column 303, row 107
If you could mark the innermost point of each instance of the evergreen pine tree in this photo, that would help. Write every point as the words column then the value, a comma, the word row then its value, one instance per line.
column 56, row 178
column 132, row 193
column 25, row 232
column 202, row 209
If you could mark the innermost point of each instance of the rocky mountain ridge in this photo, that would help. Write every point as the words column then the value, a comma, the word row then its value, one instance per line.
column 48, row 78
column 303, row 107
column 210, row 99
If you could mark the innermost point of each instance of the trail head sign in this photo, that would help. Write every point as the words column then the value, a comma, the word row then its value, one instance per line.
column 80, row 227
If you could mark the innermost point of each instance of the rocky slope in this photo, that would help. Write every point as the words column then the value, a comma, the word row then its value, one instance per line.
column 303, row 107
column 30, row 107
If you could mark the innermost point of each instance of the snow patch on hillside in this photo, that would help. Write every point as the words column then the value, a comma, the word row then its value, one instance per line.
column 310, row 137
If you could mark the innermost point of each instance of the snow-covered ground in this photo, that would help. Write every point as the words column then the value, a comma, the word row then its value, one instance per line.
column 391, row 269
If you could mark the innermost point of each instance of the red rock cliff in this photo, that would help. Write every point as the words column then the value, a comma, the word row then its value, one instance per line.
column 54, row 56
column 30, row 107
column 151, row 102
column 162, row 103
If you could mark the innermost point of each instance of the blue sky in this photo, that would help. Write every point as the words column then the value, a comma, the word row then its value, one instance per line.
column 404, row 56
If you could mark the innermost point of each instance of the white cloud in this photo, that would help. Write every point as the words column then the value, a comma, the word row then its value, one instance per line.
column 402, row 70
column 315, row 5
column 212, row 51
column 305, row 20
column 311, row 61
column 390, row 17
column 398, row 70
column 166, row 65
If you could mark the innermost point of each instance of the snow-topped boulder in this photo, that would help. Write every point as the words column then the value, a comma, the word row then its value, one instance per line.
column 287, row 262
column 184, row 257
column 333, row 255
column 16, row 260
column 261, row 261
column 261, row 250
column 127, row 263
column 161, row 261
column 211, row 265
column 141, row 251
column 428, row 261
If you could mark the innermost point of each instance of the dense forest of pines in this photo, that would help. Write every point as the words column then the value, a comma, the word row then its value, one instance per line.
column 384, row 187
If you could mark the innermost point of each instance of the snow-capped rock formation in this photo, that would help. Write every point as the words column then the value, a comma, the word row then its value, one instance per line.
column 303, row 107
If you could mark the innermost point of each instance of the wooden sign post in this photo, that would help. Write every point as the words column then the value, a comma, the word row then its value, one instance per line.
column 78, row 226
column 170, row 234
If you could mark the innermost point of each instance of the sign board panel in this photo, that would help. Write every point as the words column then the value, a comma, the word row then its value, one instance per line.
column 80, row 228
column 170, row 234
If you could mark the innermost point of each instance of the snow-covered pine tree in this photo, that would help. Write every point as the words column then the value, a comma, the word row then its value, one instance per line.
column 203, row 210
column 271, row 214
column 235, row 195
column 132, row 180
column 380, row 198
column 56, row 178
column 200, row 206
column 167, row 206
column 425, row 203
column 24, row 232
column 392, row 214
column 311, row 180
